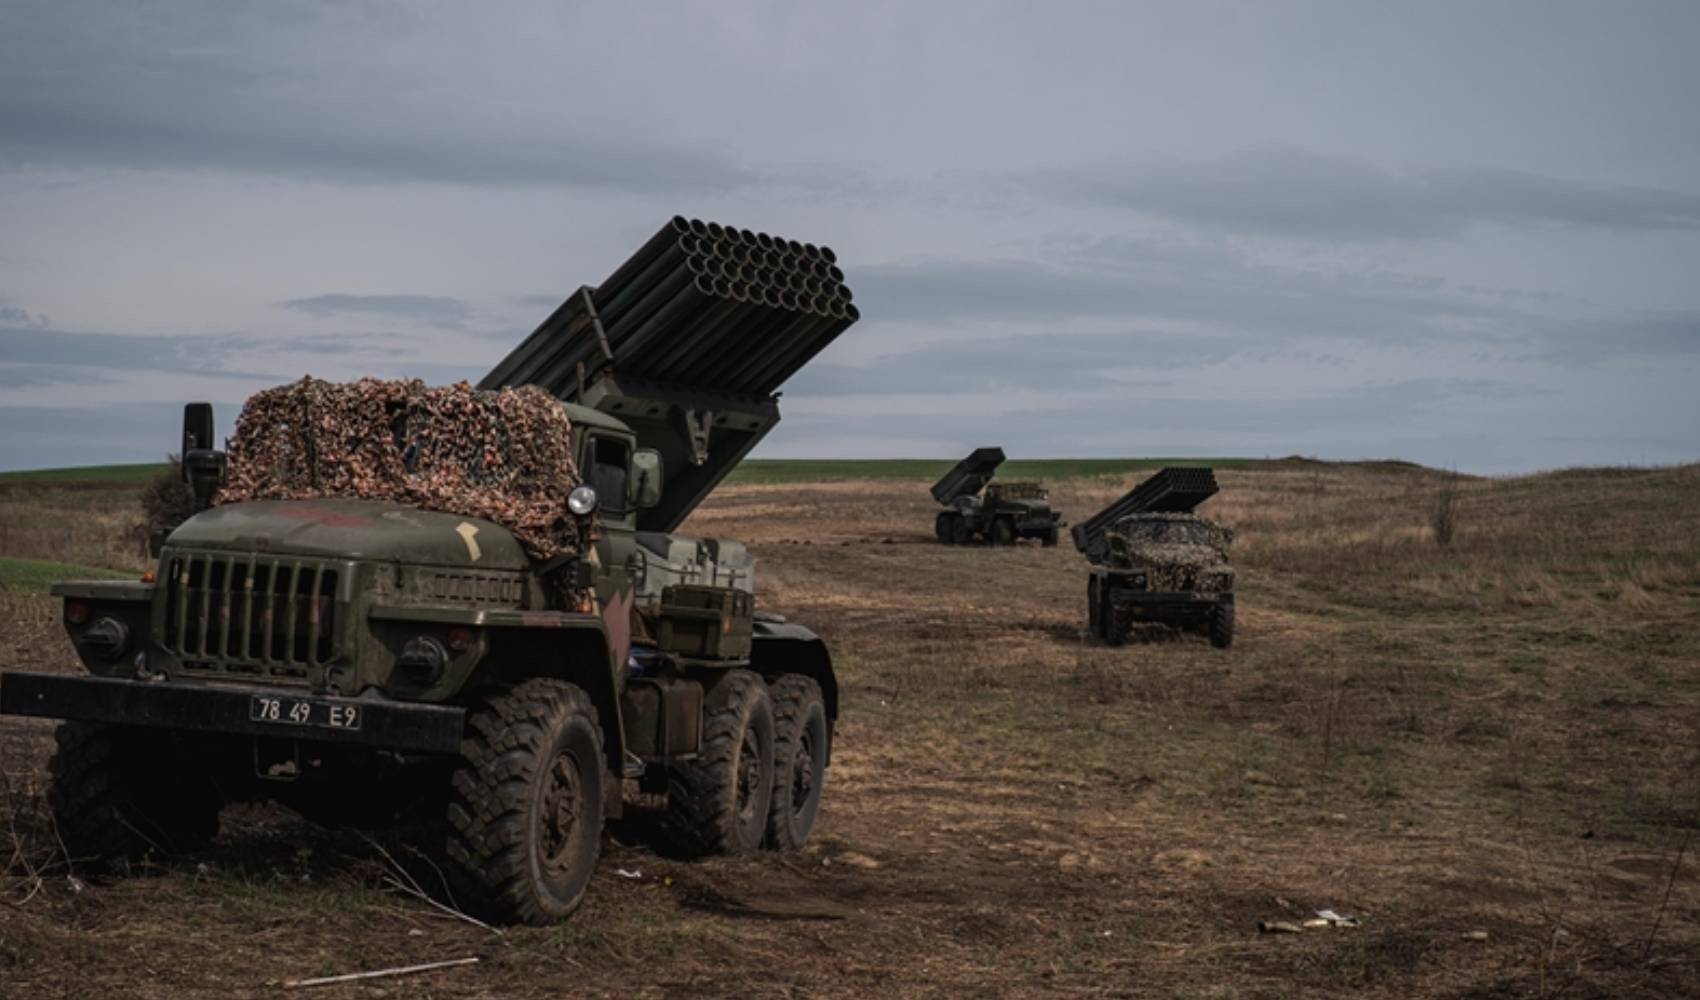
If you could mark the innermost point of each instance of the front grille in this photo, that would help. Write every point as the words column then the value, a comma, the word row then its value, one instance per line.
column 254, row 616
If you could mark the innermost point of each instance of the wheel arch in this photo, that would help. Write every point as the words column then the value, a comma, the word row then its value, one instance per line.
column 792, row 649
column 580, row 654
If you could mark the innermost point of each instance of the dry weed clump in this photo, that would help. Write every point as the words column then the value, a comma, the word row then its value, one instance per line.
column 1444, row 518
column 29, row 847
column 167, row 500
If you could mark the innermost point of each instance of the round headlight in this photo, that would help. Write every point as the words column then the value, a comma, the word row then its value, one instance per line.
column 582, row 500
column 107, row 637
column 423, row 658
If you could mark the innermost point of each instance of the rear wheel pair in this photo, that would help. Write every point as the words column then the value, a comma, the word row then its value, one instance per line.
column 952, row 528
column 757, row 780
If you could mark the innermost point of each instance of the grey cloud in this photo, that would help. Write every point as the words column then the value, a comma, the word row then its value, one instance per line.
column 433, row 309
column 30, row 356
column 1312, row 196
column 1663, row 337
column 66, row 135
column 26, row 376
column 15, row 315
column 1134, row 282
column 219, row 86
column 1046, row 362
column 37, row 346
column 1209, row 426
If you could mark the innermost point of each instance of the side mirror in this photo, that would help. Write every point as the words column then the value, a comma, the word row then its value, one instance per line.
column 203, row 465
column 644, row 486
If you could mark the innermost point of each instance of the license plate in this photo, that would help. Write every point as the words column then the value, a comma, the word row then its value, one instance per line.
column 304, row 712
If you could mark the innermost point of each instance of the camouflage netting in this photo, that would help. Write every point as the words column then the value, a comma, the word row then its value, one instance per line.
column 505, row 456
column 1179, row 552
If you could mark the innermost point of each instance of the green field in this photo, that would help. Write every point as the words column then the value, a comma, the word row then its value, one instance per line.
column 34, row 576
column 87, row 474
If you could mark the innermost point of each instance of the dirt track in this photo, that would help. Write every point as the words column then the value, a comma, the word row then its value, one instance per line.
column 1497, row 737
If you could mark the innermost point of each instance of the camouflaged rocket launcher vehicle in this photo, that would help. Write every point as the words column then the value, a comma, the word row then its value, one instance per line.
column 501, row 664
column 1154, row 560
column 979, row 510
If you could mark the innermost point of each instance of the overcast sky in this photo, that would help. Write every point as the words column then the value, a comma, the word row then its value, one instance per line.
column 1466, row 234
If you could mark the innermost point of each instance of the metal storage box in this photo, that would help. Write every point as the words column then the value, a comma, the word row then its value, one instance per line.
column 708, row 622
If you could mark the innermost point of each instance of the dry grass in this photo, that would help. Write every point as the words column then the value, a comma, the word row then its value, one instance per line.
column 1499, row 734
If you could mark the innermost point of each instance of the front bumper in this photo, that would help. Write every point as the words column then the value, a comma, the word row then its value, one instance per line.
column 1173, row 607
column 388, row 725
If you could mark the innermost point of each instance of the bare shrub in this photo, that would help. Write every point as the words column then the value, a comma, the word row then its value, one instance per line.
column 1443, row 518
column 167, row 500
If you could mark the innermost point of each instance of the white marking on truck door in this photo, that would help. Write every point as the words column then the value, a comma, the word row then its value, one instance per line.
column 468, row 532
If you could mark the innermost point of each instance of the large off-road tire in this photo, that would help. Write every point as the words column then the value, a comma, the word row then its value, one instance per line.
column 1220, row 625
column 1094, row 608
column 961, row 532
column 1003, row 531
column 1049, row 538
column 1118, row 619
column 944, row 526
column 801, row 744
column 120, row 793
column 525, row 803
column 718, row 803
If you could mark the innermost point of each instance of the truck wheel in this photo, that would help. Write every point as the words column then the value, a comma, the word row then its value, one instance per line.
column 944, row 526
column 1003, row 531
column 1118, row 619
column 800, row 744
column 525, row 803
column 1094, row 612
column 961, row 532
column 120, row 793
column 718, row 803
column 1221, row 625
column 1049, row 539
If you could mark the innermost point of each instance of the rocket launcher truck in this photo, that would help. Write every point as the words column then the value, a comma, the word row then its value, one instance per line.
column 375, row 622
column 980, row 510
column 1154, row 560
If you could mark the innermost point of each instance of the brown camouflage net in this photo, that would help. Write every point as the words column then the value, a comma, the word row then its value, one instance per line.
column 504, row 456
column 1179, row 552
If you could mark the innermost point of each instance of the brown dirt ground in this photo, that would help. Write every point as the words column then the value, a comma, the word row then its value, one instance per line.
column 1500, row 735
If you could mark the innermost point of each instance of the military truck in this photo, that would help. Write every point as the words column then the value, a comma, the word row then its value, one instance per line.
column 363, row 660
column 1154, row 560
column 979, row 510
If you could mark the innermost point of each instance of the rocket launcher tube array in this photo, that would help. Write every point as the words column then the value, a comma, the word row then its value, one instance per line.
column 969, row 476
column 700, row 305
